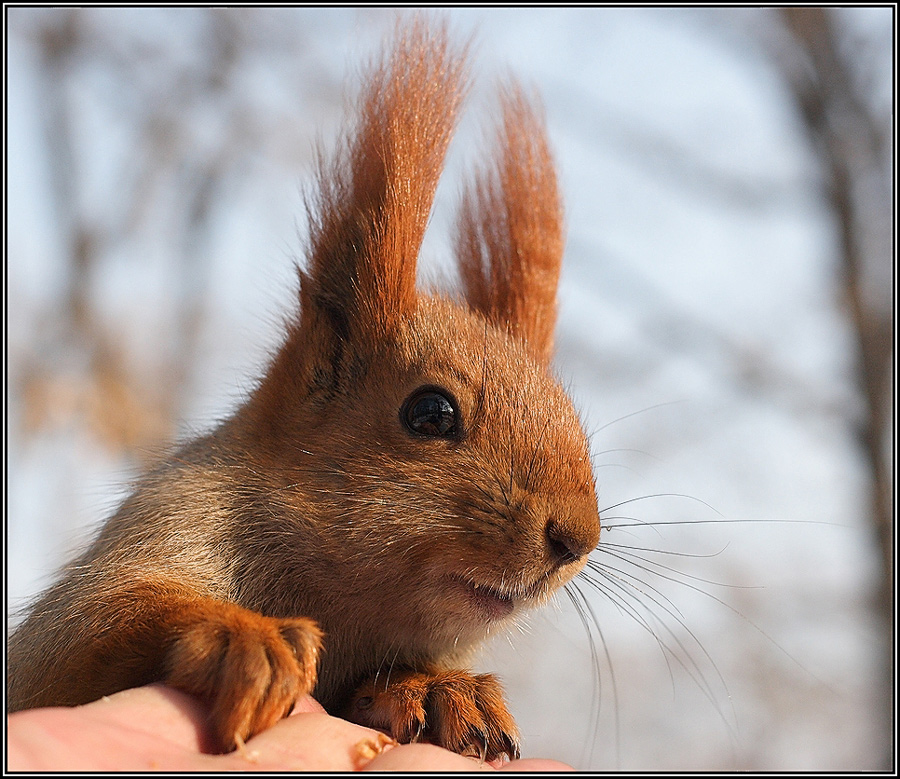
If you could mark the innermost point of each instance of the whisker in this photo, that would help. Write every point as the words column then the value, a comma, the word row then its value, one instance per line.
column 625, row 556
column 534, row 454
column 689, row 663
column 606, row 571
column 636, row 413
column 580, row 608
column 663, row 495
column 607, row 544
column 721, row 521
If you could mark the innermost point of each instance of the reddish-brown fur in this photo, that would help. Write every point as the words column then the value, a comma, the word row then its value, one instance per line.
column 314, row 517
column 510, row 232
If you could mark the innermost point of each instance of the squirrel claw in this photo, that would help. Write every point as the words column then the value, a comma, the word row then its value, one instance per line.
column 459, row 711
column 250, row 669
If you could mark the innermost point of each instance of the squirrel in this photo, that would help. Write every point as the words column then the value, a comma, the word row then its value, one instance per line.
column 407, row 477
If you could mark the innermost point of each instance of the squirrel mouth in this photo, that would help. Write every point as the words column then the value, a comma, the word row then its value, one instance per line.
column 488, row 603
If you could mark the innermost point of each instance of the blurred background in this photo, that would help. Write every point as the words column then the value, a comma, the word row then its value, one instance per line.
column 726, row 328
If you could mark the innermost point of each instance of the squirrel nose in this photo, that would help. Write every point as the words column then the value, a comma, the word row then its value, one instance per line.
column 566, row 545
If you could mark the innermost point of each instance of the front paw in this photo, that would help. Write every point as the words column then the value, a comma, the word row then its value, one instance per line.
column 250, row 669
column 457, row 710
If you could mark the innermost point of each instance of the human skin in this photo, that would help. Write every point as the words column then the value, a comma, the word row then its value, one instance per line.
column 159, row 728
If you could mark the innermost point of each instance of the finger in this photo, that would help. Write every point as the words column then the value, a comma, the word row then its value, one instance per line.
column 424, row 757
column 305, row 741
column 94, row 738
column 534, row 764
column 307, row 705
column 167, row 714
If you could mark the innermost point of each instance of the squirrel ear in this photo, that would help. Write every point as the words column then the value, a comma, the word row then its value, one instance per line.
column 509, row 237
column 373, row 200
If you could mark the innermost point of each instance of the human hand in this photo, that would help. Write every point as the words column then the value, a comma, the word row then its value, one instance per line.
column 159, row 728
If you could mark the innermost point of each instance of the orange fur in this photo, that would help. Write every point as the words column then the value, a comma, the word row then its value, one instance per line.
column 375, row 197
column 510, row 232
column 459, row 710
column 323, row 506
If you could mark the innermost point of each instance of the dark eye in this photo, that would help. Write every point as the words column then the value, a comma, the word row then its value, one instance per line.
column 429, row 412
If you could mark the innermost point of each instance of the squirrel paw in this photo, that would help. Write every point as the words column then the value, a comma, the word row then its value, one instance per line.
column 457, row 710
column 249, row 668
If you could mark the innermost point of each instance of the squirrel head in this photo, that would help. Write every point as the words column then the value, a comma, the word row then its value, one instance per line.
column 421, row 437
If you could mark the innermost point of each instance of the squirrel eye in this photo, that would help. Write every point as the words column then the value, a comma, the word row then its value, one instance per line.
column 429, row 412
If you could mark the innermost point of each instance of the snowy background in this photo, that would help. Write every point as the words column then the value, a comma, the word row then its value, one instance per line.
column 156, row 160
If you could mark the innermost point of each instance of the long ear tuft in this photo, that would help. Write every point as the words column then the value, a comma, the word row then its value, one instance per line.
column 374, row 197
column 509, row 236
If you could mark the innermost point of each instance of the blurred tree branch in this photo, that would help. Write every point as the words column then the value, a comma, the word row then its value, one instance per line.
column 81, row 371
column 850, row 140
column 191, row 130
column 832, row 78
column 828, row 75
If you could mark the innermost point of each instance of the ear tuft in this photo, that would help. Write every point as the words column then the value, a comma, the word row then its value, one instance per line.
column 374, row 197
column 509, row 236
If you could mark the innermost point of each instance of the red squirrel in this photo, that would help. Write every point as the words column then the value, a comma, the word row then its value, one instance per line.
column 406, row 478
